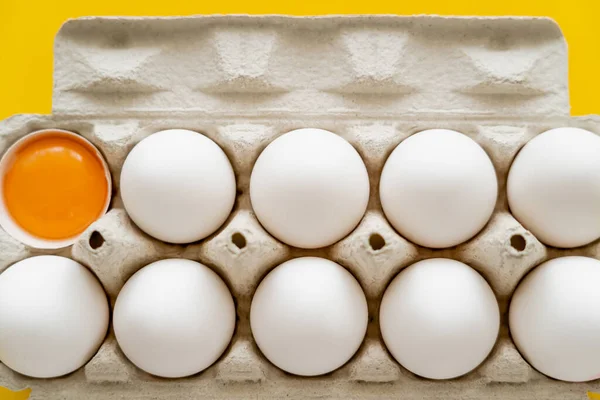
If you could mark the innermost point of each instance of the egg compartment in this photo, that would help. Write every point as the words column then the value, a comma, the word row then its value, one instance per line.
column 243, row 81
column 242, row 252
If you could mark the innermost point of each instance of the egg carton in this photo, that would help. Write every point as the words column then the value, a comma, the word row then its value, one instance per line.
column 243, row 81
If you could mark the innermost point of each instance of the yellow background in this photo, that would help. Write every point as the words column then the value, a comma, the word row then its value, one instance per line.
column 27, row 29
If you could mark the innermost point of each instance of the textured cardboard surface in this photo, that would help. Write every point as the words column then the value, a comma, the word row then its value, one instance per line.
column 371, row 65
column 228, row 79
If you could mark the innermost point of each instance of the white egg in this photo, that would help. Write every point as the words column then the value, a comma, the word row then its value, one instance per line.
column 438, row 188
column 178, row 186
column 309, row 316
column 309, row 188
column 174, row 318
column 53, row 316
column 439, row 318
column 554, row 187
column 554, row 318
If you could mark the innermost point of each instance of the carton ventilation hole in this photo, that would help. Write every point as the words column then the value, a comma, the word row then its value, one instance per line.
column 518, row 242
column 376, row 241
column 238, row 240
column 96, row 240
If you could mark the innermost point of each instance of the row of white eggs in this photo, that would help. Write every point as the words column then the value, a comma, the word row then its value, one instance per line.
column 310, row 188
column 173, row 318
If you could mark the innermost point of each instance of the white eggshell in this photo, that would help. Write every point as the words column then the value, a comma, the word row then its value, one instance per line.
column 554, row 318
column 438, row 188
column 174, row 318
column 8, row 224
column 178, row 186
column 309, row 188
column 53, row 316
column 439, row 318
column 309, row 316
column 554, row 187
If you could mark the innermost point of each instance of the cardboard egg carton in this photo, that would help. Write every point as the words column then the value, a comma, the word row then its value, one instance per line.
column 243, row 81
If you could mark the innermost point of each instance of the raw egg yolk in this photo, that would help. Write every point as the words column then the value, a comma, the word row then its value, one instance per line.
column 56, row 187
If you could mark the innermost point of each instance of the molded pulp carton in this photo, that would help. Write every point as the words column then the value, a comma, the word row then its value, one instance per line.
column 243, row 81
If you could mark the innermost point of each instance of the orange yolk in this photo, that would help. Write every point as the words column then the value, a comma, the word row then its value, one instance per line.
column 55, row 188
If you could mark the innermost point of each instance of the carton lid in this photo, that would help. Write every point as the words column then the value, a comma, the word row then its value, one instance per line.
column 372, row 66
